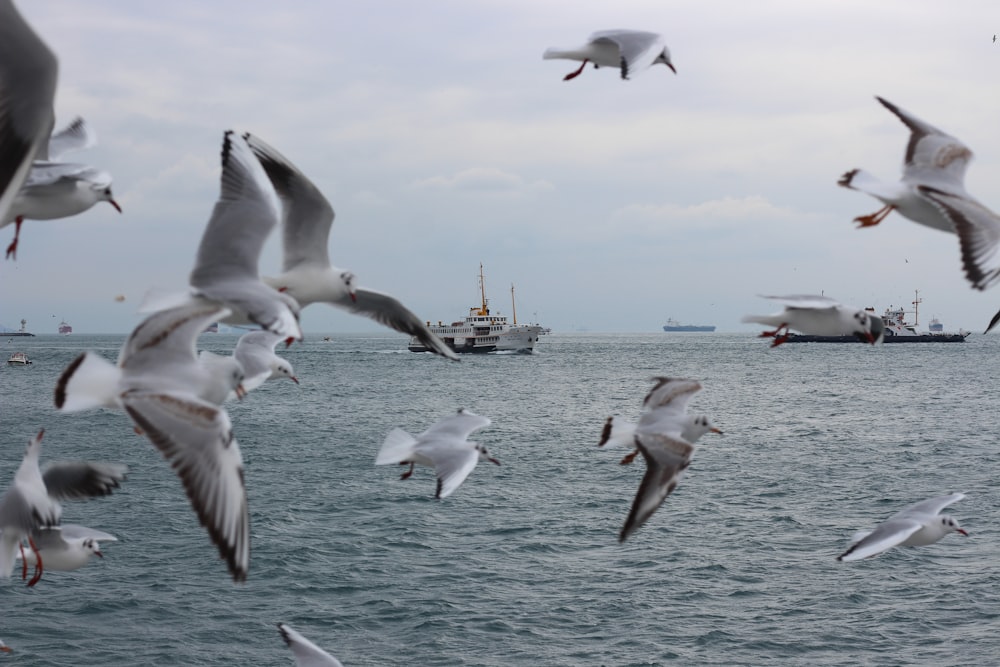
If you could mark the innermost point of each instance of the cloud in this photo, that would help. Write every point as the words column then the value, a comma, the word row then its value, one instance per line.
column 483, row 181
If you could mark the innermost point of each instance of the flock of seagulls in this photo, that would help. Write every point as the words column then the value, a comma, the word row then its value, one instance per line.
column 175, row 396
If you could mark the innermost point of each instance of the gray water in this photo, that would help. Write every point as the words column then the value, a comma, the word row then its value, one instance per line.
column 521, row 566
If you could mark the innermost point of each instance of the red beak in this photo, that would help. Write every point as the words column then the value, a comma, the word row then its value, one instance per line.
column 240, row 391
column 962, row 531
column 294, row 379
column 115, row 204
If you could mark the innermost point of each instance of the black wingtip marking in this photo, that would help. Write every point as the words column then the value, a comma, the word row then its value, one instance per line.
column 606, row 432
column 60, row 393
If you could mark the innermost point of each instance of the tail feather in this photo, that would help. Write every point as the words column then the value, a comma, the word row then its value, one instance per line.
column 553, row 54
column 398, row 447
column 617, row 433
column 91, row 381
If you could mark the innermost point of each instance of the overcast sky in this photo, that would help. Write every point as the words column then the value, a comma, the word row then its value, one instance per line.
column 442, row 140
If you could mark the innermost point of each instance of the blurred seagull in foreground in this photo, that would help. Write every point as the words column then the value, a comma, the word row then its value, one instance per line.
column 658, row 437
column 307, row 274
column 932, row 192
column 918, row 525
column 28, row 74
column 32, row 501
column 174, row 398
column 631, row 51
column 444, row 446
column 306, row 653
column 819, row 316
column 226, row 266
column 56, row 189
column 66, row 547
column 255, row 352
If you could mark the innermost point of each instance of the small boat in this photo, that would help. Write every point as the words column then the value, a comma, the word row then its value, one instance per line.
column 673, row 325
column 64, row 328
column 483, row 331
column 18, row 359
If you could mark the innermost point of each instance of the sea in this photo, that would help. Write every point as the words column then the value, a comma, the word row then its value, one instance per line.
column 522, row 564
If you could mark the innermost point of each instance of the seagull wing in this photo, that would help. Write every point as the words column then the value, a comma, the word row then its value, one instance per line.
column 28, row 73
column 78, row 480
column 197, row 438
column 168, row 337
column 244, row 215
column 666, row 458
column 930, row 506
column 932, row 157
column 307, row 215
column 805, row 301
column 978, row 230
column 75, row 136
column 885, row 536
column 452, row 464
column 306, row 653
column 673, row 394
column 388, row 310
column 458, row 426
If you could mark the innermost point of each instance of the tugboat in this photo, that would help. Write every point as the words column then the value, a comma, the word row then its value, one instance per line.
column 483, row 331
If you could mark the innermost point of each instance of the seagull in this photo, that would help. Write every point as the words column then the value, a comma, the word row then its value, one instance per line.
column 617, row 432
column 819, row 316
column 255, row 352
column 918, row 525
column 932, row 158
column 66, row 547
column 932, row 192
column 307, row 274
column 306, row 653
column 175, row 399
column 658, row 437
column 225, row 270
column 630, row 50
column 28, row 74
column 32, row 502
column 444, row 446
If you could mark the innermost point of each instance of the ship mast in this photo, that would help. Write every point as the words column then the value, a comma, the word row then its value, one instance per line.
column 513, row 308
column 916, row 306
column 482, row 291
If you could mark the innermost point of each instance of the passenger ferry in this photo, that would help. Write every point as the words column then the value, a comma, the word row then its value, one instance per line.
column 483, row 331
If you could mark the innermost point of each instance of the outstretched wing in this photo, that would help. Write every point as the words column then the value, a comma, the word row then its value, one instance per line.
column 885, row 536
column 666, row 458
column 197, row 438
column 932, row 156
column 978, row 230
column 638, row 49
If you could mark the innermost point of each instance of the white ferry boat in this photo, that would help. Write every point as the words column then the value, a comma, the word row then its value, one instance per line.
column 483, row 331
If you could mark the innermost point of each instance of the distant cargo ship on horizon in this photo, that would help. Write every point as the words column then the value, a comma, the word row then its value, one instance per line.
column 674, row 325
column 64, row 328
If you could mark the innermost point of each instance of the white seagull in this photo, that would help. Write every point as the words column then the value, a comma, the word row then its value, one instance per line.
column 226, row 266
column 65, row 547
column 28, row 74
column 819, row 316
column 174, row 398
column 306, row 653
column 658, row 437
column 57, row 189
column 32, row 501
column 918, row 525
column 656, row 412
column 631, row 51
column 932, row 192
column 444, row 446
column 255, row 352
column 306, row 272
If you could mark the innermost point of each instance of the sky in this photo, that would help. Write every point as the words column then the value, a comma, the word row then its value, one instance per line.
column 443, row 140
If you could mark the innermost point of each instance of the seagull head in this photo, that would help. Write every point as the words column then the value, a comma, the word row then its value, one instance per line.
column 348, row 278
column 664, row 58
column 484, row 454
column 871, row 327
column 950, row 525
column 92, row 546
column 282, row 368
column 105, row 195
